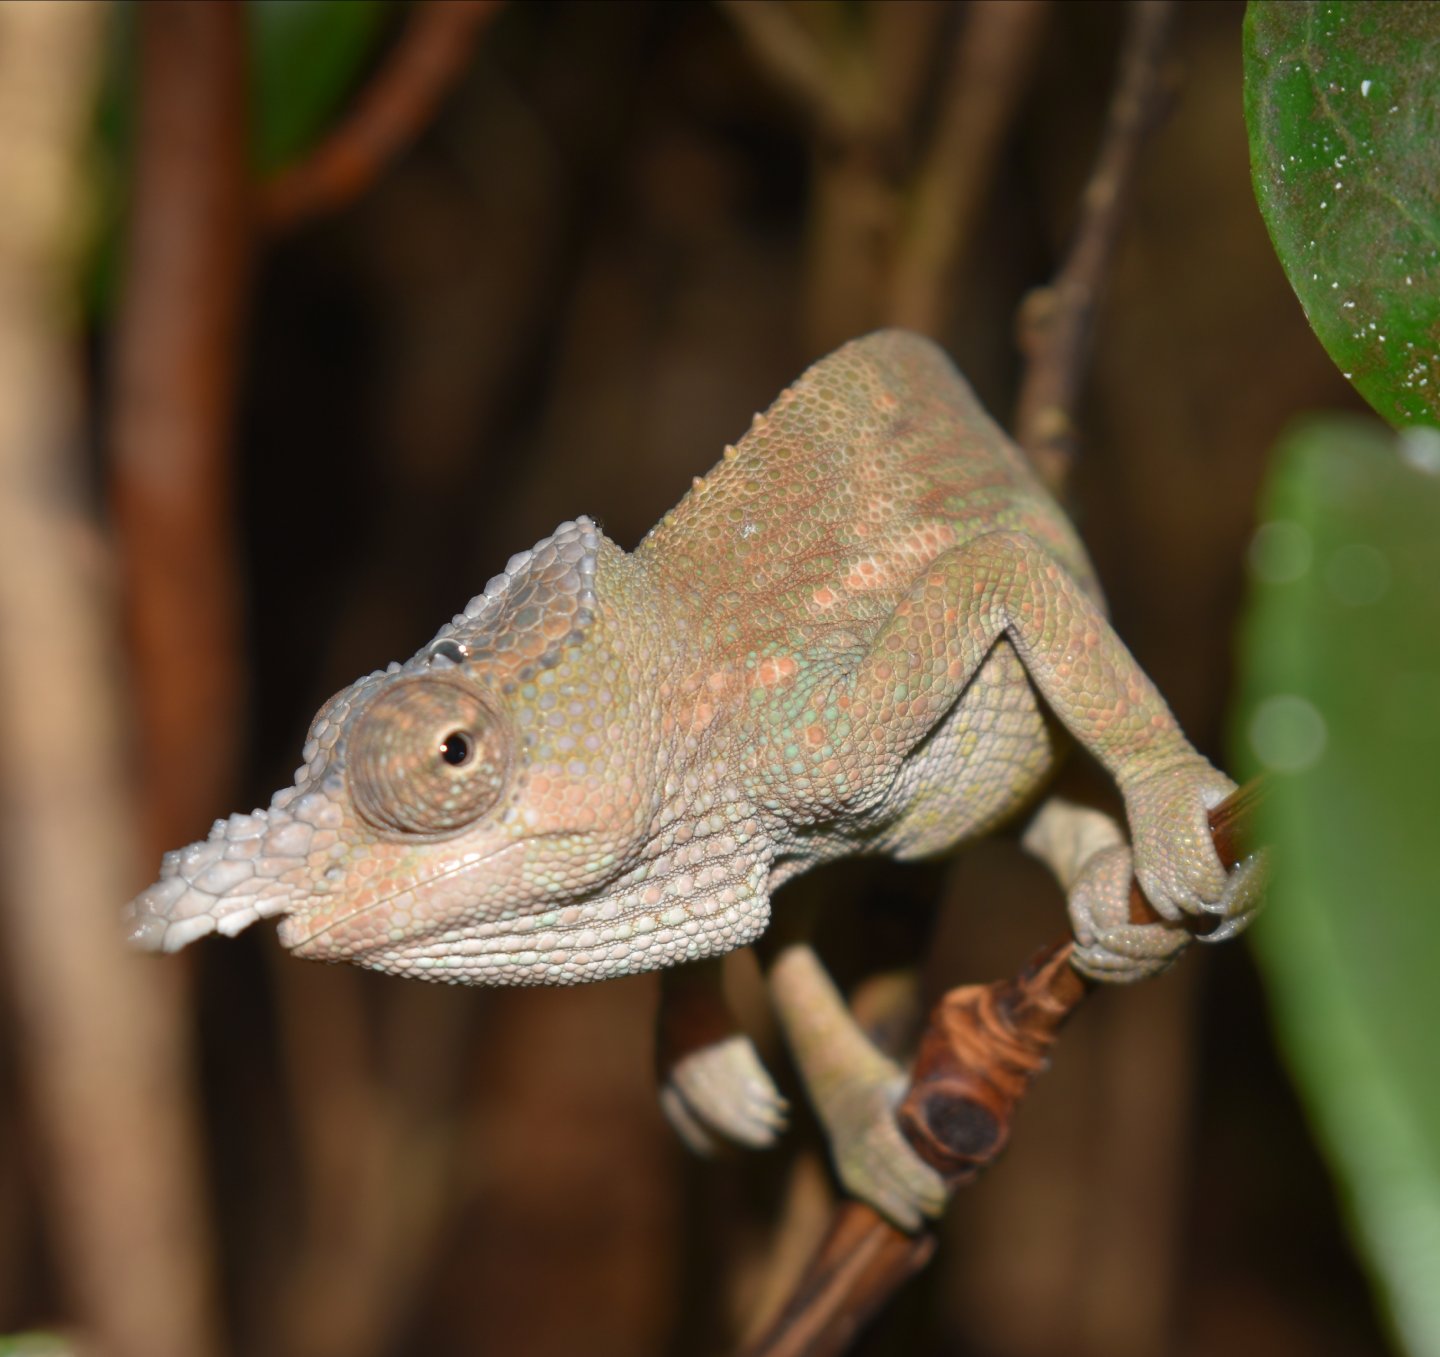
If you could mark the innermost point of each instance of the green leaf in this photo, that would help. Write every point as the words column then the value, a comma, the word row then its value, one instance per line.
column 34, row 1345
column 1343, row 108
column 1341, row 703
column 306, row 57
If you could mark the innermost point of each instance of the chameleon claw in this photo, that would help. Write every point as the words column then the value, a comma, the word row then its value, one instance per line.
column 1244, row 894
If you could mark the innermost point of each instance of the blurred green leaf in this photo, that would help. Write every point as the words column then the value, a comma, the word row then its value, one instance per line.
column 1341, row 702
column 1343, row 108
column 306, row 57
column 34, row 1345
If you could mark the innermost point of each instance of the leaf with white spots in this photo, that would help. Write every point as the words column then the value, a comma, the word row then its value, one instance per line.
column 1343, row 110
column 1341, row 703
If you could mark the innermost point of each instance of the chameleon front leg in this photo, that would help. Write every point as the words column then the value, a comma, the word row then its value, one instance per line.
column 713, row 1086
column 854, row 1089
column 1006, row 585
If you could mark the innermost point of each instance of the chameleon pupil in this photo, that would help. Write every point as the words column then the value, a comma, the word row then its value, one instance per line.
column 456, row 748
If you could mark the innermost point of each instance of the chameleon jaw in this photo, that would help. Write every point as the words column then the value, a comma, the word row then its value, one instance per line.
column 240, row 873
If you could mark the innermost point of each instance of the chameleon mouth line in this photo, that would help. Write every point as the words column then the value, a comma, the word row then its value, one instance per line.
column 459, row 867
column 580, row 927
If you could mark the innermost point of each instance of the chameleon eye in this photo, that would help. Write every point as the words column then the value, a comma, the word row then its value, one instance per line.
column 457, row 748
column 427, row 756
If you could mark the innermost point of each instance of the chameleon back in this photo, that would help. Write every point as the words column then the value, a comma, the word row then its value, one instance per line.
column 877, row 460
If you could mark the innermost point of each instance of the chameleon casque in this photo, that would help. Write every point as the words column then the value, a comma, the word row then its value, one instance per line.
column 838, row 642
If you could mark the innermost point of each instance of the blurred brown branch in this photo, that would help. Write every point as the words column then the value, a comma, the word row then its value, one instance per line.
column 180, row 332
column 982, row 1048
column 991, row 66
column 828, row 80
column 392, row 110
column 895, row 199
column 100, row 1046
column 186, row 271
column 375, row 1143
column 1055, row 321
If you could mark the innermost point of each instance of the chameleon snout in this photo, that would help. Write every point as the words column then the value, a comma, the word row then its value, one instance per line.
column 243, row 871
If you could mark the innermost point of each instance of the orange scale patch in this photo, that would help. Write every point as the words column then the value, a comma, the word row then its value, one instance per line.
column 775, row 670
column 867, row 574
column 701, row 715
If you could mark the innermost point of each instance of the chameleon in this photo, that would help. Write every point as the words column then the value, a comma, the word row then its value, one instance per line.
column 855, row 635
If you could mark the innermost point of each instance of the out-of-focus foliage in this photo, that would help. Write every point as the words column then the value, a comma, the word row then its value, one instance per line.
column 306, row 56
column 1343, row 108
column 1342, row 643
column 34, row 1345
column 1341, row 703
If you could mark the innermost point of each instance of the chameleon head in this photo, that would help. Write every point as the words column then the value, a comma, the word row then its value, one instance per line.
column 484, row 813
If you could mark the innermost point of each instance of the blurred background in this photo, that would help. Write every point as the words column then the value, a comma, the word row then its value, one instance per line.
column 255, row 444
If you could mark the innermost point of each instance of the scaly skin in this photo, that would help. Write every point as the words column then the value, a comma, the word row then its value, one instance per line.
column 835, row 644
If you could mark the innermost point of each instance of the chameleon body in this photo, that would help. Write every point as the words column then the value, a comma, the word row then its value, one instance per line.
column 843, row 640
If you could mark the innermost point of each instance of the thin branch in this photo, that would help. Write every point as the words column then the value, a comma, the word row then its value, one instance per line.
column 395, row 107
column 981, row 1050
column 994, row 56
column 1056, row 321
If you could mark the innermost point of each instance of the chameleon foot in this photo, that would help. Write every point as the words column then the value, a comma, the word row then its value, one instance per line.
column 1108, row 946
column 722, row 1092
column 1089, row 856
column 874, row 1161
column 1174, row 855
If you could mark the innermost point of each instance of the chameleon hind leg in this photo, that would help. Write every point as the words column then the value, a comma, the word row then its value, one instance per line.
column 854, row 1088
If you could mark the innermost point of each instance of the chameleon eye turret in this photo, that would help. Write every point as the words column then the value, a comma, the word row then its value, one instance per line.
column 427, row 756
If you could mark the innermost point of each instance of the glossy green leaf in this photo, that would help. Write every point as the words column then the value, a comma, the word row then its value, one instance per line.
column 306, row 57
column 1342, row 101
column 1341, row 703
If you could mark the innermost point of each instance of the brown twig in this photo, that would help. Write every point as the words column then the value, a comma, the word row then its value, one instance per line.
column 1055, row 321
column 397, row 104
column 983, row 1046
column 993, row 57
